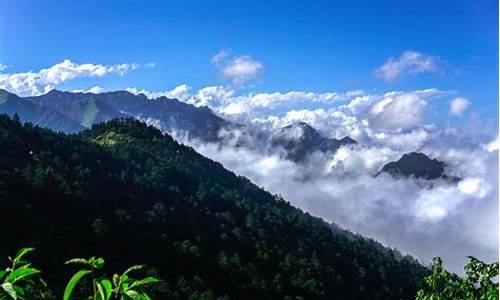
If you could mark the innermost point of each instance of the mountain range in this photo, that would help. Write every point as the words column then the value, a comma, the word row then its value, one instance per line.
column 71, row 112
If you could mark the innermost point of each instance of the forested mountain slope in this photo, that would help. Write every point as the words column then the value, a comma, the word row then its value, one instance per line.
column 125, row 191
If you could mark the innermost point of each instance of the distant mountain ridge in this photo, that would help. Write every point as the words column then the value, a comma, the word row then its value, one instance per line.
column 27, row 111
column 76, row 111
column 85, row 108
column 170, row 115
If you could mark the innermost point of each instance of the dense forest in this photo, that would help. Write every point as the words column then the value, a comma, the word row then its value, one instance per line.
column 125, row 191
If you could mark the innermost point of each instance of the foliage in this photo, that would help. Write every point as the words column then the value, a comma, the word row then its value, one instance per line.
column 478, row 283
column 21, row 280
column 123, row 286
column 125, row 191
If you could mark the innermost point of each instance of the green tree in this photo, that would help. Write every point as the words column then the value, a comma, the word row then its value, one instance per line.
column 478, row 283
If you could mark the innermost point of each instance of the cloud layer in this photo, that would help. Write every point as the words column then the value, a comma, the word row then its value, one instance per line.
column 408, row 214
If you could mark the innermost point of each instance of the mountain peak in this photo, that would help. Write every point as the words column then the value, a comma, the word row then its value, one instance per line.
column 415, row 164
column 300, row 130
column 54, row 92
column 347, row 140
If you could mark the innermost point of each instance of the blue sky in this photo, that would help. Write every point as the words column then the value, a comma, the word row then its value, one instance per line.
column 301, row 46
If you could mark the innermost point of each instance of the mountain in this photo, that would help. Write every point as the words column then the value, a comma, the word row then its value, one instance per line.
column 11, row 104
column 300, row 139
column 417, row 165
column 127, row 192
column 85, row 108
column 170, row 115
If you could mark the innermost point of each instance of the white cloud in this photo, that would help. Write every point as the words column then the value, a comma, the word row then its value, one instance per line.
column 397, row 111
column 220, row 56
column 180, row 92
column 458, row 105
column 491, row 146
column 36, row 83
column 212, row 96
column 401, row 110
column 224, row 100
column 95, row 90
column 410, row 62
column 238, row 69
column 242, row 69
column 3, row 67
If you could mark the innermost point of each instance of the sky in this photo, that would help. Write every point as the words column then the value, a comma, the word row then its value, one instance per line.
column 324, row 46
column 397, row 76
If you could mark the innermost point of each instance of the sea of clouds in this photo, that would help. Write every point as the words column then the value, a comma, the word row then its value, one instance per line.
column 424, row 219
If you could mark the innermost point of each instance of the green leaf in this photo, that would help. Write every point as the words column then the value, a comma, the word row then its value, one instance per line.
column 123, row 286
column 116, row 280
column 142, row 282
column 82, row 261
column 135, row 295
column 98, row 262
column 20, row 254
column 72, row 283
column 21, row 273
column 124, row 278
column 133, row 268
column 100, row 290
column 2, row 274
column 19, row 291
column 107, row 288
column 9, row 289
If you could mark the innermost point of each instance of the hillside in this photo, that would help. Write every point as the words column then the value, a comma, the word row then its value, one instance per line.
column 125, row 191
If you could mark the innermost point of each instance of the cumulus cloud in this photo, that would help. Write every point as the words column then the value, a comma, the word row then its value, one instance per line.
column 410, row 62
column 239, row 70
column 398, row 111
column 3, row 67
column 36, row 83
column 458, row 105
column 242, row 69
